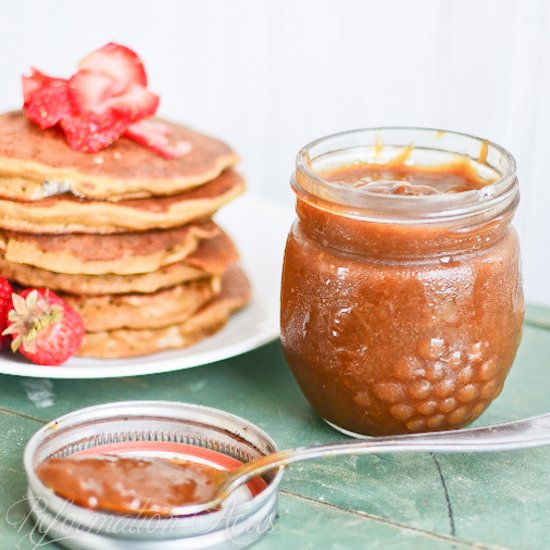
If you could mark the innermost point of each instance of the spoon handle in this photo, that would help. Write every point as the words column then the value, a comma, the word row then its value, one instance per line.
column 521, row 434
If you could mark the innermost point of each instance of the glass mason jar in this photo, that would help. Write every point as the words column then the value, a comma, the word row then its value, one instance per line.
column 401, row 313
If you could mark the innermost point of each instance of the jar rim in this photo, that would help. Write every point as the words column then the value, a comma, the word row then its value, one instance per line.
column 436, row 206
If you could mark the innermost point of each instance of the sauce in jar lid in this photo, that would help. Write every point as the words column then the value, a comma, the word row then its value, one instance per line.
column 129, row 485
column 162, row 434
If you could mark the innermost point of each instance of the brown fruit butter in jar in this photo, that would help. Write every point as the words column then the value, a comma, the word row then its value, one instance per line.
column 402, row 301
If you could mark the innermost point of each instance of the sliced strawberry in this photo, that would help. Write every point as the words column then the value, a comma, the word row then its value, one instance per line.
column 48, row 105
column 43, row 327
column 152, row 128
column 93, row 92
column 156, row 136
column 90, row 133
column 99, row 102
column 33, row 83
column 135, row 104
column 46, row 98
column 119, row 63
column 89, row 91
column 37, row 80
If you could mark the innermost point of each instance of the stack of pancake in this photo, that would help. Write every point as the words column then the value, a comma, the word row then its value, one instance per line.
column 124, row 235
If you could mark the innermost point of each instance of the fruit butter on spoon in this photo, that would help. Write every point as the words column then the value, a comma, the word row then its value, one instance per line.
column 167, row 488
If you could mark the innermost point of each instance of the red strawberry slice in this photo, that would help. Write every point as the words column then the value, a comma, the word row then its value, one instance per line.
column 46, row 99
column 119, row 63
column 156, row 136
column 99, row 102
column 91, row 132
column 33, row 83
column 43, row 327
column 93, row 92
column 89, row 91
column 37, row 80
column 136, row 103
column 151, row 128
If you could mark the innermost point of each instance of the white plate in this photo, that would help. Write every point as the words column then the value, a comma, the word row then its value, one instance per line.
column 259, row 228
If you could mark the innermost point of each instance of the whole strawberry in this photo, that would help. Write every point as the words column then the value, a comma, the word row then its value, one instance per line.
column 43, row 327
column 6, row 291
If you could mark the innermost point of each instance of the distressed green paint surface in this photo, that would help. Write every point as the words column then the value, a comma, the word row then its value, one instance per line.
column 383, row 501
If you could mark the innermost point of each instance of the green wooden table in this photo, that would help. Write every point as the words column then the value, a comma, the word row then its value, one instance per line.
column 409, row 501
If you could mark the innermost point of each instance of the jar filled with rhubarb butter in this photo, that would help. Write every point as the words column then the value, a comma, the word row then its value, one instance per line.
column 402, row 301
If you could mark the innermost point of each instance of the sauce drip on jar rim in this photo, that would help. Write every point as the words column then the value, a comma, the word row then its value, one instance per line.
column 398, row 178
column 130, row 485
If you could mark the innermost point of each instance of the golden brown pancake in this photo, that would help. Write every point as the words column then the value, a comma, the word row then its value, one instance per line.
column 140, row 311
column 212, row 257
column 207, row 320
column 68, row 214
column 30, row 157
column 121, row 254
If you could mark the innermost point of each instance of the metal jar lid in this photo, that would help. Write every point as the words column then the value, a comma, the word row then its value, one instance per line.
column 154, row 428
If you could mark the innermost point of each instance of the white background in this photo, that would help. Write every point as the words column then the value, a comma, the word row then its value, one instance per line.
column 270, row 75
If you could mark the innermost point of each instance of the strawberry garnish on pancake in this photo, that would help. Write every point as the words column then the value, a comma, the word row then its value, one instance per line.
column 91, row 132
column 105, row 99
column 121, row 64
column 156, row 136
column 46, row 99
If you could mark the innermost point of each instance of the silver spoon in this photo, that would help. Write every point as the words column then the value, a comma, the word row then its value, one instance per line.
column 511, row 436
